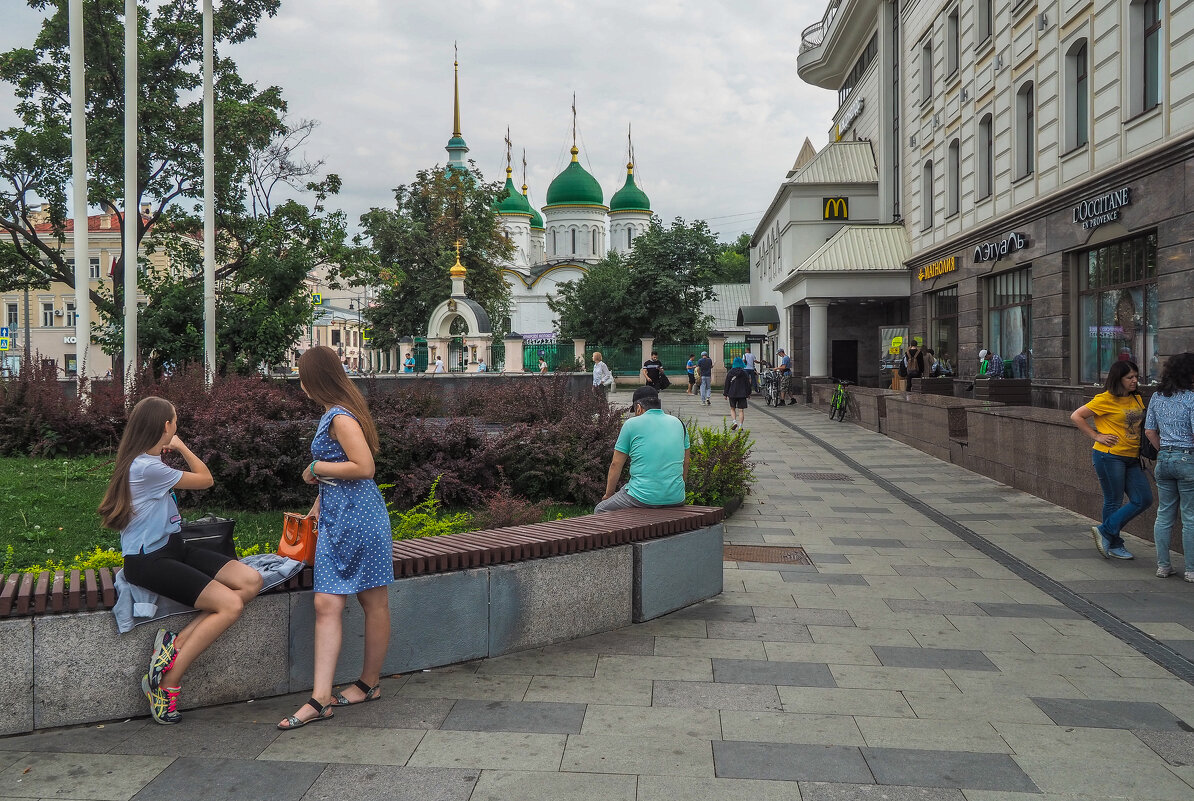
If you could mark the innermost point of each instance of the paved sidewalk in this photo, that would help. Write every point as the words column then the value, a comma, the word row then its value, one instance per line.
column 932, row 652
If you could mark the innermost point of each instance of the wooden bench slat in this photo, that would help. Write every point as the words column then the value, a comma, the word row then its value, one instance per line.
column 92, row 593
column 74, row 597
column 107, row 587
column 25, row 593
column 41, row 592
column 8, row 594
column 57, row 592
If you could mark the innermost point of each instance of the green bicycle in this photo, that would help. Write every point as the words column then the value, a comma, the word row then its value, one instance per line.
column 841, row 400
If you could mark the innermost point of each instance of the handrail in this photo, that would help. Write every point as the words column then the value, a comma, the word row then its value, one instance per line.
column 814, row 35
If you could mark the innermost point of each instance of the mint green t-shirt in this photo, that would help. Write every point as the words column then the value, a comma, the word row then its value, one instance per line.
column 655, row 443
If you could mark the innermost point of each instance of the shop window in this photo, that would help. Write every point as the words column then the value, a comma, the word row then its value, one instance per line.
column 1118, row 307
column 1009, row 320
column 953, row 176
column 1077, row 99
column 926, row 196
column 985, row 154
column 1025, row 131
column 943, row 325
column 951, row 43
column 1144, row 74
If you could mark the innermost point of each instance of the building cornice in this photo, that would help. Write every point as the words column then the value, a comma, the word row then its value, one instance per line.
column 1151, row 161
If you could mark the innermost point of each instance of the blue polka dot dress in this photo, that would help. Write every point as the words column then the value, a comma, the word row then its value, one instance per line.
column 353, row 550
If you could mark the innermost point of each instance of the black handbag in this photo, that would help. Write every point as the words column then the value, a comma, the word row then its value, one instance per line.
column 210, row 532
column 1147, row 450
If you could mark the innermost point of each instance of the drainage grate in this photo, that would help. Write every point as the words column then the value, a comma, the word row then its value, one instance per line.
column 823, row 477
column 779, row 554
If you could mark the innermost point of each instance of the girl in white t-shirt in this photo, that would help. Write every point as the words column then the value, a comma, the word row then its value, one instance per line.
column 139, row 503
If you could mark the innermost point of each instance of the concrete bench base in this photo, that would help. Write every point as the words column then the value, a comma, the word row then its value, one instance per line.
column 59, row 670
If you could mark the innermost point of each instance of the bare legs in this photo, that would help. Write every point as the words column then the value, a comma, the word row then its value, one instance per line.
column 219, row 605
column 329, row 611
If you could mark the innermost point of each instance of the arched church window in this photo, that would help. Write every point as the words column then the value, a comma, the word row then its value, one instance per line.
column 629, row 236
column 555, row 249
column 573, row 241
column 594, row 241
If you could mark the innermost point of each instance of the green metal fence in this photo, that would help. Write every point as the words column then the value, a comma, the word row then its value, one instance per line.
column 675, row 356
column 497, row 353
column 622, row 359
column 420, row 351
column 554, row 354
column 733, row 350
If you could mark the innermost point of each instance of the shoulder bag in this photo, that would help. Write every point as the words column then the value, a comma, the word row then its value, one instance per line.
column 210, row 532
column 299, row 533
column 1147, row 450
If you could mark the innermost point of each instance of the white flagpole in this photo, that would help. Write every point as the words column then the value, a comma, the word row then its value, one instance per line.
column 78, row 136
column 209, row 193
column 132, row 213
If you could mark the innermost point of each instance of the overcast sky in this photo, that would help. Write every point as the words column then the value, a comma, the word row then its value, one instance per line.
column 710, row 88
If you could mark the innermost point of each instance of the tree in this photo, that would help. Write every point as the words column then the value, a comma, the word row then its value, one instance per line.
column 415, row 246
column 733, row 261
column 35, row 156
column 658, row 288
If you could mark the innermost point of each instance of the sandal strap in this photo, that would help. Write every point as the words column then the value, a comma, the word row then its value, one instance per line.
column 318, row 707
column 363, row 687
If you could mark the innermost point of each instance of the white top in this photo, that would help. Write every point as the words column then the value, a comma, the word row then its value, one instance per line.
column 439, row 364
column 155, row 514
column 748, row 359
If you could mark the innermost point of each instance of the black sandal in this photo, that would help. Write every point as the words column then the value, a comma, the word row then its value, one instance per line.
column 370, row 694
column 294, row 722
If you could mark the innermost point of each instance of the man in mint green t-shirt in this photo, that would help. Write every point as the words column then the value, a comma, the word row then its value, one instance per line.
column 657, row 446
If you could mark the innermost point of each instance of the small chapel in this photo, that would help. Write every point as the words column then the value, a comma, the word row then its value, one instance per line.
column 575, row 230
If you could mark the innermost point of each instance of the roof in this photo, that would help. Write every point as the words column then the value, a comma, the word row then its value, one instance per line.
column 536, row 217
column 724, row 307
column 807, row 154
column 95, row 222
column 574, row 187
column 630, row 197
column 839, row 163
column 860, row 248
column 512, row 202
column 758, row 315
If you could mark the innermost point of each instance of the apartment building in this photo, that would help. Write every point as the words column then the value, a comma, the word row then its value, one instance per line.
column 1039, row 160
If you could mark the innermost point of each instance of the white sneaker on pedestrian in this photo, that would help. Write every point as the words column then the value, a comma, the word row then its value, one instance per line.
column 1165, row 571
column 1190, row 576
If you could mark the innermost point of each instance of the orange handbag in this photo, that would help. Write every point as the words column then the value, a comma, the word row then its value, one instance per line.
column 298, row 537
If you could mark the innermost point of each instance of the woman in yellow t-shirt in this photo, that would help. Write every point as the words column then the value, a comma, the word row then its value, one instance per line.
column 1118, row 415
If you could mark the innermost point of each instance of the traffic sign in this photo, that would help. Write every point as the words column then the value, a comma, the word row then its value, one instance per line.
column 317, row 298
column 5, row 343
column 3, row 332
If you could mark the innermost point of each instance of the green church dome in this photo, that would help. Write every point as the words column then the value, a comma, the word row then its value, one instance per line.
column 512, row 202
column 574, row 187
column 536, row 217
column 630, row 197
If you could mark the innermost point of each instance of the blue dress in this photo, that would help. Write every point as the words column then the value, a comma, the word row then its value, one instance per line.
column 353, row 549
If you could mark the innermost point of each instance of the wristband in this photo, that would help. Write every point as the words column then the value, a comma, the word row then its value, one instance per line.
column 311, row 467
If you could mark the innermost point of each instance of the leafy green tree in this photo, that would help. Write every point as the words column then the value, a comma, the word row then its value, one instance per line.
column 415, row 246
column 658, row 288
column 733, row 261
column 35, row 156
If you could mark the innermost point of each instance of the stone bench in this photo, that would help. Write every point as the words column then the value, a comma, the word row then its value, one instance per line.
column 455, row 598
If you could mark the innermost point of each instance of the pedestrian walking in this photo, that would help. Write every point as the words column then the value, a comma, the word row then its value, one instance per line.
column 748, row 362
column 691, row 368
column 353, row 550
column 603, row 378
column 705, row 366
column 736, row 391
column 654, row 373
column 1118, row 415
column 408, row 366
column 140, row 504
column 439, row 364
column 1169, row 426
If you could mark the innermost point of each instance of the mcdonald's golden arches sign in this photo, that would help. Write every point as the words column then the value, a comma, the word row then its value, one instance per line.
column 837, row 208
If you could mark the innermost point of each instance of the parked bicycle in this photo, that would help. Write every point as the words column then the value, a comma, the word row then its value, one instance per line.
column 841, row 399
column 770, row 386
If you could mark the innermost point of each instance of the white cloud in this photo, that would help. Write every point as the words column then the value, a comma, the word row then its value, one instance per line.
column 710, row 88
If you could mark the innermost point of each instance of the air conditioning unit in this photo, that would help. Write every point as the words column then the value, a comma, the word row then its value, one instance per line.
column 57, row 312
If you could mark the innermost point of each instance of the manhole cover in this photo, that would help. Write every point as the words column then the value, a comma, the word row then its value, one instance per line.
column 779, row 554
column 823, row 477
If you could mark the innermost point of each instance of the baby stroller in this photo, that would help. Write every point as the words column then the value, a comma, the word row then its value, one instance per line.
column 770, row 386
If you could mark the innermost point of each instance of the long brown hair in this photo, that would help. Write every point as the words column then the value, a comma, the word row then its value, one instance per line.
column 325, row 381
column 146, row 425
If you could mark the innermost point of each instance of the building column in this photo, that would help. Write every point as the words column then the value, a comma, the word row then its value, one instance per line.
column 717, row 352
column 436, row 347
column 578, row 350
column 648, row 345
column 818, row 338
column 513, row 356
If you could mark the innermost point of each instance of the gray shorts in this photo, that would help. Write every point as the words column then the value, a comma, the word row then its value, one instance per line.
column 624, row 500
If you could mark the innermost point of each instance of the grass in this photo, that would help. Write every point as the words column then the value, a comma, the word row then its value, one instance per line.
column 47, row 511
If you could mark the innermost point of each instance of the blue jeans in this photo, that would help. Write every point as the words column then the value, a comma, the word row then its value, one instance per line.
column 706, row 389
column 754, row 379
column 1119, row 475
column 1175, row 487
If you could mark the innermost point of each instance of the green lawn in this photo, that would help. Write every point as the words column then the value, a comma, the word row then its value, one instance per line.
column 47, row 511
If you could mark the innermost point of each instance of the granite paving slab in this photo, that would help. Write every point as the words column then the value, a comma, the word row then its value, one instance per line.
column 936, row 571
column 389, row 783
column 830, row 791
column 480, row 750
column 789, row 727
column 899, row 656
column 790, row 762
column 506, row 785
column 82, row 776
column 399, row 712
column 599, row 690
column 703, row 724
column 1069, row 553
column 1095, row 713
column 768, row 632
column 1144, row 607
column 675, row 788
column 906, row 766
column 868, row 542
column 1047, row 611
column 714, row 695
column 199, row 739
column 803, row 615
column 708, row 647
column 714, row 611
column 9, row 757
column 847, row 701
column 445, row 684
column 683, row 668
column 1175, row 747
column 195, row 779
column 530, row 716
column 933, row 607
column 829, row 558
column 541, row 662
column 754, row 671
column 940, row 735
column 345, row 745
column 78, row 740
column 671, row 756
column 824, row 578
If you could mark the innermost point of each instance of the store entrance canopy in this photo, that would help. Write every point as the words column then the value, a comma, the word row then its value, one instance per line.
column 758, row 315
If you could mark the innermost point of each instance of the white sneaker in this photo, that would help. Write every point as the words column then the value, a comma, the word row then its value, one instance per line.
column 1190, row 576
column 1165, row 571
column 733, row 427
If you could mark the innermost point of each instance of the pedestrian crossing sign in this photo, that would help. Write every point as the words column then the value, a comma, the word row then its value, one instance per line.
column 5, row 343
column 317, row 298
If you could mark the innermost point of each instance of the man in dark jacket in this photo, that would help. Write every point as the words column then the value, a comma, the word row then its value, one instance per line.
column 705, row 366
column 737, row 390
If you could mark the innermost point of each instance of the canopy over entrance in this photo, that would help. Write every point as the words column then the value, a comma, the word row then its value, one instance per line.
column 758, row 315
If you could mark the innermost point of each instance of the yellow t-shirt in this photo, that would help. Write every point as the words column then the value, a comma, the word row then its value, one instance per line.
column 1119, row 415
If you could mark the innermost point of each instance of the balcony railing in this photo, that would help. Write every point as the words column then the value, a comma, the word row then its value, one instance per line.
column 814, row 34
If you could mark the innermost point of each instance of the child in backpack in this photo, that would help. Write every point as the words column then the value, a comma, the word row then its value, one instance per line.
column 140, row 504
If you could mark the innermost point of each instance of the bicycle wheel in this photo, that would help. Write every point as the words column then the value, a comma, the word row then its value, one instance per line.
column 841, row 408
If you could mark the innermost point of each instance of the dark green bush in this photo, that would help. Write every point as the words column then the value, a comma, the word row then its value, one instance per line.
column 720, row 466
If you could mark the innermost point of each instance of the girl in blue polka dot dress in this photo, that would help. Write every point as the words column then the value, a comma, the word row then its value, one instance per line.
column 353, row 550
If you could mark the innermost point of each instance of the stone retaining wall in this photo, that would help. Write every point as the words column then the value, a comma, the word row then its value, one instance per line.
column 64, row 669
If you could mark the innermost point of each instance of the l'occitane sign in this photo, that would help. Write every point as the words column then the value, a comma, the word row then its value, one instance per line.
column 940, row 267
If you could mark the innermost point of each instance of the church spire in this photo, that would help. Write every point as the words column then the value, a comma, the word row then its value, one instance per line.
column 456, row 145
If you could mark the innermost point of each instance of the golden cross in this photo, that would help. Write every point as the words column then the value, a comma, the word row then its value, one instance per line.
column 509, row 145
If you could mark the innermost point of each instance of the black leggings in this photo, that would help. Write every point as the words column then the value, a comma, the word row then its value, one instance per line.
column 177, row 571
